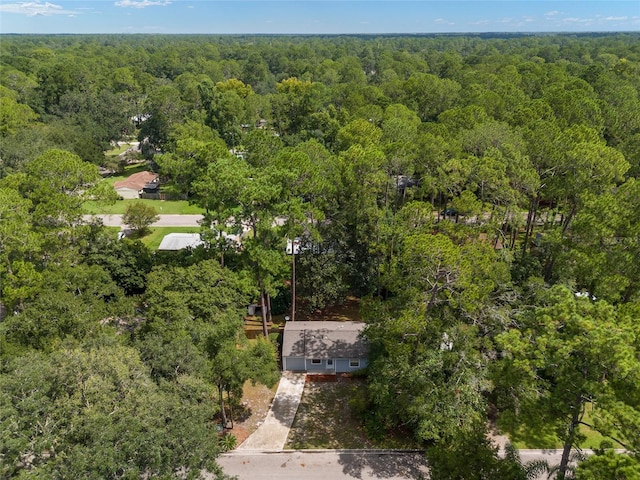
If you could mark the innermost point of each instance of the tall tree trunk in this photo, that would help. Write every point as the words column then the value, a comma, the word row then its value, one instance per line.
column 549, row 267
column 500, row 230
column 568, row 442
column 378, row 273
column 269, row 316
column 222, row 411
column 230, row 409
column 263, row 307
column 531, row 215
column 570, row 216
column 432, row 300
column 293, row 283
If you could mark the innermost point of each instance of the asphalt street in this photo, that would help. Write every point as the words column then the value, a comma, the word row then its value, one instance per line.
column 325, row 464
column 344, row 464
column 115, row 220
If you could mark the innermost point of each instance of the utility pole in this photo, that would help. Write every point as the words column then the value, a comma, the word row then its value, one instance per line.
column 293, row 283
column 292, row 248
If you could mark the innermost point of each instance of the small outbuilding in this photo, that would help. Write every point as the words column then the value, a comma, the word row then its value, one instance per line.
column 324, row 347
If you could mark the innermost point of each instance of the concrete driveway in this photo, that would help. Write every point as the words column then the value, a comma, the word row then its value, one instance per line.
column 272, row 434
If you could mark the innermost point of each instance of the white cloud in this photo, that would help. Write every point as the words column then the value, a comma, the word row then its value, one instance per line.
column 615, row 19
column 442, row 21
column 142, row 3
column 552, row 13
column 33, row 9
column 577, row 20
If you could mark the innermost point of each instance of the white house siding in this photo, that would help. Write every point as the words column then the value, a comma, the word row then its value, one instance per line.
column 127, row 193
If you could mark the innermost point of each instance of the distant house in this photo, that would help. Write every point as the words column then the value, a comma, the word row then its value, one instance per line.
column 106, row 172
column 179, row 241
column 135, row 184
column 153, row 187
column 403, row 182
column 324, row 347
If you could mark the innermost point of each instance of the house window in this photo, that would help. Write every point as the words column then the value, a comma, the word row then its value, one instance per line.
column 354, row 363
column 316, row 361
column 330, row 362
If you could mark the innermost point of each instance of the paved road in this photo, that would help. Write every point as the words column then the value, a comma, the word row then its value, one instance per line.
column 325, row 465
column 272, row 434
column 345, row 464
column 115, row 220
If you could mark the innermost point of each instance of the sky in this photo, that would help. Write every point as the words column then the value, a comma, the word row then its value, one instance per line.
column 317, row 16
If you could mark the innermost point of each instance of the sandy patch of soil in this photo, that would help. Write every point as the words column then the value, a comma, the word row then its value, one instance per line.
column 256, row 401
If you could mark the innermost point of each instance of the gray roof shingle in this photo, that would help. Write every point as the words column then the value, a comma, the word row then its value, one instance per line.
column 324, row 340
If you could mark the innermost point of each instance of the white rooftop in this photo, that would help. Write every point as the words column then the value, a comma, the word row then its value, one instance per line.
column 179, row 241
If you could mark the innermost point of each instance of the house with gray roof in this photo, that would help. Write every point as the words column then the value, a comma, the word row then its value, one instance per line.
column 324, row 347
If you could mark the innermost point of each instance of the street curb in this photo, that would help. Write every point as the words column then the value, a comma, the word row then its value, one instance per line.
column 387, row 451
column 353, row 451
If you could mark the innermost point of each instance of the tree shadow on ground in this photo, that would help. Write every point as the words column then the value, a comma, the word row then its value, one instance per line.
column 385, row 464
column 285, row 405
column 241, row 412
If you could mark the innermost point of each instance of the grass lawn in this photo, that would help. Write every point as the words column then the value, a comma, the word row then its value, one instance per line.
column 181, row 207
column 527, row 440
column 114, row 152
column 325, row 419
column 542, row 439
column 156, row 234
column 348, row 311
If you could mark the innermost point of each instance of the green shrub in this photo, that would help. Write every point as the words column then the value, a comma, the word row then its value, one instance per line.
column 228, row 442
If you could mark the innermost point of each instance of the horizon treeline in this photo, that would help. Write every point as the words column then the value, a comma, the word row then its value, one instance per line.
column 479, row 193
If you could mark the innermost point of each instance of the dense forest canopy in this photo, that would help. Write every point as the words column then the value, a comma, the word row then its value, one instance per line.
column 479, row 193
